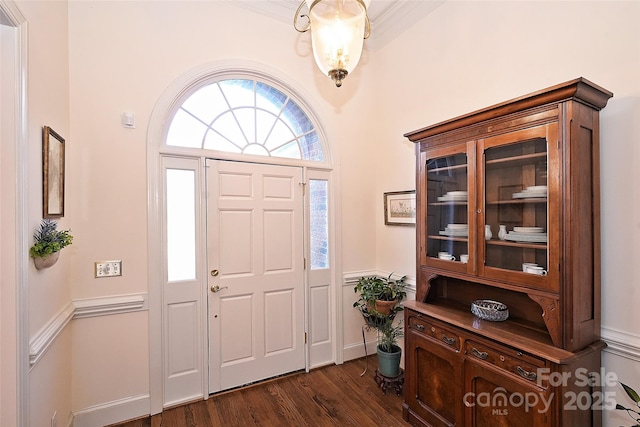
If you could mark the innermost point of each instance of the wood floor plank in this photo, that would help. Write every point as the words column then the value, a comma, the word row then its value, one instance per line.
column 331, row 396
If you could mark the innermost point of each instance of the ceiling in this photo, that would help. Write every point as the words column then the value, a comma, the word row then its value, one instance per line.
column 389, row 18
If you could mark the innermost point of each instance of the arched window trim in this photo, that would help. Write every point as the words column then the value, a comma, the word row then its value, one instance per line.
column 196, row 80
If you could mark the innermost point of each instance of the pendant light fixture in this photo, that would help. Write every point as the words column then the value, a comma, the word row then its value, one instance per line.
column 338, row 29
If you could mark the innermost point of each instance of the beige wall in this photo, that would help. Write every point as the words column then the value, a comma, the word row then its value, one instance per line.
column 123, row 56
column 464, row 56
column 470, row 55
column 49, row 291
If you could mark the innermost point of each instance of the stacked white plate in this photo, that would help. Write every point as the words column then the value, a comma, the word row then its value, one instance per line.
column 456, row 230
column 532, row 192
column 454, row 196
column 527, row 234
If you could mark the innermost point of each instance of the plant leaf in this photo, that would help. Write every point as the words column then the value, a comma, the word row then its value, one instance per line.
column 631, row 393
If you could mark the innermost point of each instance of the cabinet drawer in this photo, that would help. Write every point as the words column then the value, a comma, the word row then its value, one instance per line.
column 436, row 332
column 515, row 362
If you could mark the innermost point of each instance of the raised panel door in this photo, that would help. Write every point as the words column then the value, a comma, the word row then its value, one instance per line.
column 434, row 384
column 495, row 399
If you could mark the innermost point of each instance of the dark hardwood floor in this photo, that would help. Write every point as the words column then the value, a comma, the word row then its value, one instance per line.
column 331, row 396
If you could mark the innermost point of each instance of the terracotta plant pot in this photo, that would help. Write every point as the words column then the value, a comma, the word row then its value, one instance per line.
column 46, row 261
column 384, row 307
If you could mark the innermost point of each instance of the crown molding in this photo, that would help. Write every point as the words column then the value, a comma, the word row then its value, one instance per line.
column 389, row 18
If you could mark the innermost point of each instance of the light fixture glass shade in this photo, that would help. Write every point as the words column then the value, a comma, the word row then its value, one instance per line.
column 337, row 34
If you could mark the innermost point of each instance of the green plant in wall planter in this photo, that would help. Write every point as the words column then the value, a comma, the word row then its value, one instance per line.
column 48, row 241
column 633, row 413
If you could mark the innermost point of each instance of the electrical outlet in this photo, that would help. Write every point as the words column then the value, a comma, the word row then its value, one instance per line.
column 108, row 268
column 54, row 419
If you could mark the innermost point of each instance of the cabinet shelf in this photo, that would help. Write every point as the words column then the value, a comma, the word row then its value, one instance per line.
column 448, row 204
column 524, row 159
column 527, row 336
column 533, row 200
column 447, row 168
column 517, row 244
column 451, row 239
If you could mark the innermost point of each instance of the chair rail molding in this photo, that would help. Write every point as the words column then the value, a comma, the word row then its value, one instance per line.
column 621, row 343
column 351, row 278
column 102, row 306
column 80, row 309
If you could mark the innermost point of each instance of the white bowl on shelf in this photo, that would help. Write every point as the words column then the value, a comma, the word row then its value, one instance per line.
column 528, row 229
column 457, row 226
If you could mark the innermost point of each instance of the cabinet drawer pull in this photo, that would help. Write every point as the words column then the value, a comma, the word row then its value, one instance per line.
column 479, row 354
column 446, row 339
column 420, row 328
column 531, row 376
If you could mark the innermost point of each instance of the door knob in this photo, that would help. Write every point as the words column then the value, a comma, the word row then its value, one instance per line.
column 214, row 273
column 216, row 288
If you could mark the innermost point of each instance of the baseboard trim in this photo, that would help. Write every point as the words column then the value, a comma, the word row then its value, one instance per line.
column 356, row 351
column 113, row 412
column 621, row 343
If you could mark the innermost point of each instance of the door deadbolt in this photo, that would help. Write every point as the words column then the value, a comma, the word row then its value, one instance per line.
column 214, row 273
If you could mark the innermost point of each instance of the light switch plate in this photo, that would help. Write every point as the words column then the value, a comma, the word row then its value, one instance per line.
column 108, row 268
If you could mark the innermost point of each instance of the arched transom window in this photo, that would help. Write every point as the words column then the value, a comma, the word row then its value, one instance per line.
column 248, row 117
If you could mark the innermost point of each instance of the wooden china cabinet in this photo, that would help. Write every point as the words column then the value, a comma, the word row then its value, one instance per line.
column 511, row 184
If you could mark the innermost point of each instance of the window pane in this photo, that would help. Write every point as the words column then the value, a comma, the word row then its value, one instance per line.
column 227, row 126
column 269, row 98
column 206, row 103
column 289, row 151
column 319, row 222
column 181, row 225
column 229, row 115
column 185, row 131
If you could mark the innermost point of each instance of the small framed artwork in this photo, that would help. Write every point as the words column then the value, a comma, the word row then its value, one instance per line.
column 400, row 208
column 52, row 174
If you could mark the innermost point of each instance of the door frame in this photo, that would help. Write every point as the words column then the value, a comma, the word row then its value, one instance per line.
column 156, row 148
column 157, row 265
column 19, row 305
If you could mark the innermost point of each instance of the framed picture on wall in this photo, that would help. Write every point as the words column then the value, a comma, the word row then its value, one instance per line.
column 52, row 174
column 400, row 208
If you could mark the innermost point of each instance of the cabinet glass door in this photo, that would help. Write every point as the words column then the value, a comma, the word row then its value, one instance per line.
column 447, row 222
column 516, row 206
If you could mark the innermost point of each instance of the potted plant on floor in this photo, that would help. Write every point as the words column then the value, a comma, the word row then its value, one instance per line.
column 48, row 241
column 379, row 302
column 389, row 352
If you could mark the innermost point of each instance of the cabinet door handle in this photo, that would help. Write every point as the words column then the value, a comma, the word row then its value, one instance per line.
column 420, row 328
column 479, row 354
column 446, row 339
column 531, row 376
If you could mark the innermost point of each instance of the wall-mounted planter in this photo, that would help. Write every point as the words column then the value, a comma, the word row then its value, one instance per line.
column 46, row 261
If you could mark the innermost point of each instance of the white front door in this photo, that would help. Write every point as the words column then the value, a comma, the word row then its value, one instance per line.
column 256, row 272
